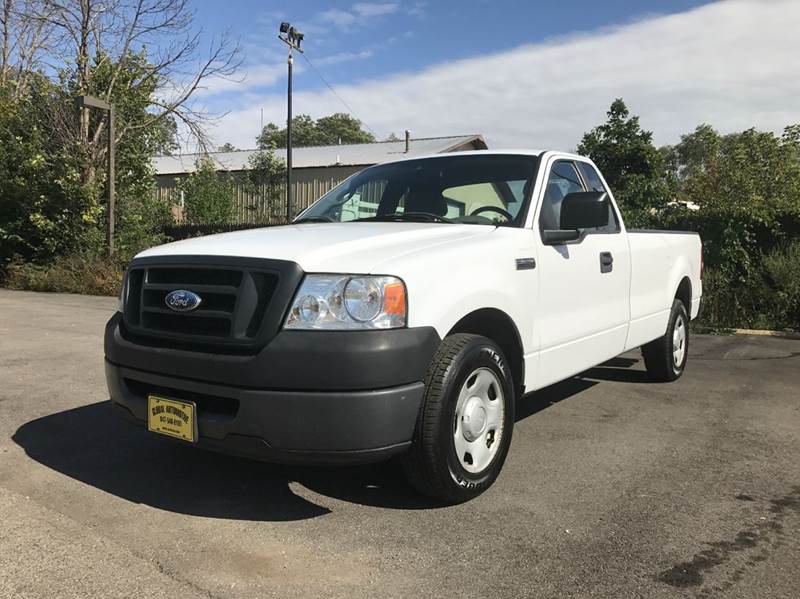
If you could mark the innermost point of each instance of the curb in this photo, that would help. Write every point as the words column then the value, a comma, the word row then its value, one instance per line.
column 762, row 333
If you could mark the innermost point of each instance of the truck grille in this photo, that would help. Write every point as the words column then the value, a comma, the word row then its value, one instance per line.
column 238, row 300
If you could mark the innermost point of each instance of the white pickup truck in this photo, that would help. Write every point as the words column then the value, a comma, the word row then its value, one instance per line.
column 403, row 313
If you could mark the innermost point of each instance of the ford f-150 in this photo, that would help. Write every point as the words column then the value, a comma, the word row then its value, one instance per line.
column 403, row 313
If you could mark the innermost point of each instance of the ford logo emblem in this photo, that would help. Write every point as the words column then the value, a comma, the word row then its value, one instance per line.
column 181, row 300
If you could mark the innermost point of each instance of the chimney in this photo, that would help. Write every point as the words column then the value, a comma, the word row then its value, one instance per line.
column 408, row 140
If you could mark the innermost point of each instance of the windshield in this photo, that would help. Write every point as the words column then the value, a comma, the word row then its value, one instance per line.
column 490, row 189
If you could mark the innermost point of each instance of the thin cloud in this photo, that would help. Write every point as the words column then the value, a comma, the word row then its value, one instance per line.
column 345, row 57
column 732, row 64
column 358, row 15
column 372, row 9
column 418, row 9
column 256, row 76
column 339, row 18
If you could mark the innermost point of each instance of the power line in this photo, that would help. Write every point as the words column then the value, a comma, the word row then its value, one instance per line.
column 333, row 91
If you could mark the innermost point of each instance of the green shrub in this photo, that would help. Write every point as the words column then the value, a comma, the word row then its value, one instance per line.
column 92, row 275
column 782, row 282
column 768, row 299
column 209, row 194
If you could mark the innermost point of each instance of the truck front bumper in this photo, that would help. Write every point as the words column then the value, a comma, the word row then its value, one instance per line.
column 307, row 397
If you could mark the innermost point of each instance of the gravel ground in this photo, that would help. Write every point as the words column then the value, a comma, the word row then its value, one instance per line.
column 614, row 487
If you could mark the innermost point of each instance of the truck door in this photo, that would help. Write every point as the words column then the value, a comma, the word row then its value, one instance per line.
column 584, row 285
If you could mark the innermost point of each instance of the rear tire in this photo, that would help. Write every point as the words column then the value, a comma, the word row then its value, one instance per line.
column 464, row 427
column 665, row 358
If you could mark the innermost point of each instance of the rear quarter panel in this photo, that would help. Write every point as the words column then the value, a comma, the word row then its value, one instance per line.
column 660, row 260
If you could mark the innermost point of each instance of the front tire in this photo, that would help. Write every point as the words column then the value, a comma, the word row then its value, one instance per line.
column 464, row 427
column 665, row 358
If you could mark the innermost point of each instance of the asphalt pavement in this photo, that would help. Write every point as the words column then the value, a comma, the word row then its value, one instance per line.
column 614, row 487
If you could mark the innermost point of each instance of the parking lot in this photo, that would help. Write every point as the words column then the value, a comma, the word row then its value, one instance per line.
column 614, row 487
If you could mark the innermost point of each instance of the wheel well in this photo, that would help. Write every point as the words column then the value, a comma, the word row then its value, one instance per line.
column 497, row 326
column 684, row 293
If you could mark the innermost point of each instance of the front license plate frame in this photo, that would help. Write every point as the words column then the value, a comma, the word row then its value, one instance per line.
column 176, row 418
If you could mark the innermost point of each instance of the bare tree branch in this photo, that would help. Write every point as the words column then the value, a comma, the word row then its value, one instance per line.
column 110, row 48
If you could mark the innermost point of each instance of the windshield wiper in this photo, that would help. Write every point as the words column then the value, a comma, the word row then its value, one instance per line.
column 400, row 216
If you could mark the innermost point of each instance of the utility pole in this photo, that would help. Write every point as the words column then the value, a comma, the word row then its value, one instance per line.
column 84, row 102
column 289, row 142
column 292, row 38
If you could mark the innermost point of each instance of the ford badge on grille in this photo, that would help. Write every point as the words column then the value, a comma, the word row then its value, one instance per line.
column 181, row 300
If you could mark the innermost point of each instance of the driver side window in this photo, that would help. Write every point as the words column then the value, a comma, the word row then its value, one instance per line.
column 563, row 179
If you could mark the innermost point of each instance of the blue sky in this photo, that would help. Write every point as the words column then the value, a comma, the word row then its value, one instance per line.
column 463, row 62
column 389, row 37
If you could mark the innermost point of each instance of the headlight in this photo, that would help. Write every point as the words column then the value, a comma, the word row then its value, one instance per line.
column 342, row 302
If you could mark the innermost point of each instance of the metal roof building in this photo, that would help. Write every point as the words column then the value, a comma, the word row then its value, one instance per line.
column 315, row 169
column 328, row 156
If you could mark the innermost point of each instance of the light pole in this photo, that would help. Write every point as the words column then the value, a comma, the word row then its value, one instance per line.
column 84, row 102
column 292, row 38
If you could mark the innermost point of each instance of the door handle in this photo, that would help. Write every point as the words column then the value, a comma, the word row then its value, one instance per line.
column 606, row 262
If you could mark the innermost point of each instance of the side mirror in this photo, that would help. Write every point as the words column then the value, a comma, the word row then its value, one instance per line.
column 584, row 210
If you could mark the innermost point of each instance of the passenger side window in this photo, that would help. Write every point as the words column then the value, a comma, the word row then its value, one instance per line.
column 563, row 179
column 593, row 183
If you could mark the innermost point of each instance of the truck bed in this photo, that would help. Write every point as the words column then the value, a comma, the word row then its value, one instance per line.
column 659, row 257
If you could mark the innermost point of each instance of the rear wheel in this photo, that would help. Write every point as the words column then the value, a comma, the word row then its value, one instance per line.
column 665, row 358
column 464, row 427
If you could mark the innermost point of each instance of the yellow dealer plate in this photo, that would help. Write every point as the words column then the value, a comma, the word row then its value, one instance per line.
column 172, row 417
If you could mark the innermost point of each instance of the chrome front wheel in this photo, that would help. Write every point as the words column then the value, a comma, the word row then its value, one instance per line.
column 478, row 420
column 465, row 424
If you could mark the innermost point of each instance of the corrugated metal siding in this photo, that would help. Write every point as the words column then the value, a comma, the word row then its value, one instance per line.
column 308, row 185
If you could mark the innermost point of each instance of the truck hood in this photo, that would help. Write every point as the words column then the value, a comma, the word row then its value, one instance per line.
column 325, row 247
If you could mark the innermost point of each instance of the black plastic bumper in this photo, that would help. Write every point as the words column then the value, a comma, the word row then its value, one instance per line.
column 307, row 397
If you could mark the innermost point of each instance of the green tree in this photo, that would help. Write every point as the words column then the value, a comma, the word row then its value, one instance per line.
column 342, row 128
column 631, row 164
column 140, row 215
column 208, row 195
column 53, row 156
column 227, row 147
column 45, row 210
column 265, row 183
column 747, row 187
column 694, row 154
column 328, row 130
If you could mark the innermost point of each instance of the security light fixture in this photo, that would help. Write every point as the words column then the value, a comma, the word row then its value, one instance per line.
column 291, row 36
